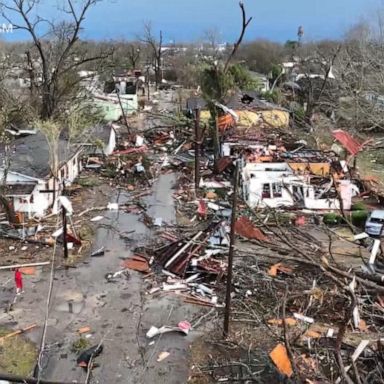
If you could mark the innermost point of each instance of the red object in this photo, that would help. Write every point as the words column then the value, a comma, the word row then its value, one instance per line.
column 202, row 209
column 73, row 239
column 347, row 141
column 300, row 221
column 245, row 228
column 223, row 164
column 18, row 279
column 185, row 326
column 226, row 122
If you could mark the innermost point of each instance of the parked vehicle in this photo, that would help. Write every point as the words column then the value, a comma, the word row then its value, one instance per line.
column 374, row 223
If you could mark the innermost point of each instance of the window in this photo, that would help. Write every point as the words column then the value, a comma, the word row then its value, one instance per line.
column 377, row 220
column 277, row 190
column 298, row 193
column 266, row 191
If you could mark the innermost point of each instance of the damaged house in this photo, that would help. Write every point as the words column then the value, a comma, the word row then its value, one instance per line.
column 295, row 183
column 255, row 112
column 112, row 109
column 30, row 186
column 244, row 110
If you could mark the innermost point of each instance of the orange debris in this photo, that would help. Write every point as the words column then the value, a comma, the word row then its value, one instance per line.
column 289, row 321
column 279, row 267
column 279, row 356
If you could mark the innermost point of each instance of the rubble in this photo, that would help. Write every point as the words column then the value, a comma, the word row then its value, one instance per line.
column 317, row 295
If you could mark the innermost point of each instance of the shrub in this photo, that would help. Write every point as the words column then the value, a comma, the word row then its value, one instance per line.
column 79, row 345
column 332, row 218
column 359, row 218
column 359, row 206
column 88, row 182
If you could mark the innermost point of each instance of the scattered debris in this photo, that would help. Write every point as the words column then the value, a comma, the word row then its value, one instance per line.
column 162, row 356
column 183, row 327
column 18, row 332
column 98, row 252
column 137, row 263
column 85, row 357
column 84, row 330
column 279, row 356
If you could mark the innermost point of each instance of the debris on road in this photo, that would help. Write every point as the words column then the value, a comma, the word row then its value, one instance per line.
column 162, row 356
column 86, row 356
column 18, row 332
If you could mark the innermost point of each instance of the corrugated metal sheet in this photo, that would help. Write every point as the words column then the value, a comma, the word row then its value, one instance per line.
column 347, row 141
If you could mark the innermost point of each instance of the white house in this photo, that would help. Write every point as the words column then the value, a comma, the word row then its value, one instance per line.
column 275, row 185
column 31, row 187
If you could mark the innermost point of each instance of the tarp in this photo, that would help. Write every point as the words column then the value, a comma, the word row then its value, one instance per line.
column 347, row 141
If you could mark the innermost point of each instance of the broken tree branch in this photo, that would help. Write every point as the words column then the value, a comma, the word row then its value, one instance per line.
column 245, row 23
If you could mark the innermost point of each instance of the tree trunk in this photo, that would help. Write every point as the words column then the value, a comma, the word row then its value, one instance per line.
column 216, row 143
column 8, row 207
column 157, row 75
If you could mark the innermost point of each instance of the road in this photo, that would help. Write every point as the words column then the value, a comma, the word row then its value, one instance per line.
column 119, row 313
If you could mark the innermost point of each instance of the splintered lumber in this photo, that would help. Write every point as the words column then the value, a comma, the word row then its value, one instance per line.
column 359, row 350
column 173, row 258
column 199, row 302
column 24, row 265
column 18, row 332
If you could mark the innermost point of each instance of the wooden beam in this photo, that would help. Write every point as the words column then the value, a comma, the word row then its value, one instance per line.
column 25, row 265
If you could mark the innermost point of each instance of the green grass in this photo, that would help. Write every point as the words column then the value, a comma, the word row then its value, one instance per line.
column 88, row 182
column 17, row 356
column 79, row 345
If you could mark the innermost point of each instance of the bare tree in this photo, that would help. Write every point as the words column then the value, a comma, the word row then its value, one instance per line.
column 217, row 80
column 212, row 39
column 361, row 64
column 236, row 46
column 134, row 54
column 316, row 71
column 156, row 47
column 53, row 58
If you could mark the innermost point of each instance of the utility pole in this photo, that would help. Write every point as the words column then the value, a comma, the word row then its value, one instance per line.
column 65, row 244
column 231, row 251
column 64, row 215
column 197, row 149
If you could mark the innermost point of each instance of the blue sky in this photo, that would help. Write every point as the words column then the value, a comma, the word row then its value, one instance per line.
column 186, row 20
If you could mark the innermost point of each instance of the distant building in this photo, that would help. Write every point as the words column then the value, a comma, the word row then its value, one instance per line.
column 110, row 108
